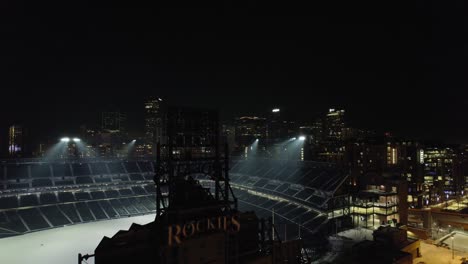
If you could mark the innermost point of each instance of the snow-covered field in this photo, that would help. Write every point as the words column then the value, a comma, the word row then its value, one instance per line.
column 62, row 245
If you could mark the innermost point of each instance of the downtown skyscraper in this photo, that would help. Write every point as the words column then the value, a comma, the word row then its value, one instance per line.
column 154, row 120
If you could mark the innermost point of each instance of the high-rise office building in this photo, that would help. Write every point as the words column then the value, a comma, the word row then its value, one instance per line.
column 333, row 145
column 113, row 134
column 381, row 156
column 443, row 175
column 249, row 131
column 154, row 121
column 250, row 128
column 463, row 161
column 335, row 126
column 278, row 128
column 229, row 135
column 155, row 116
column 317, row 132
column 16, row 142
column 438, row 165
column 274, row 126
column 114, row 122
column 194, row 131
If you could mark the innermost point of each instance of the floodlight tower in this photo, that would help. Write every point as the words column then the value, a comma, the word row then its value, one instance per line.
column 72, row 146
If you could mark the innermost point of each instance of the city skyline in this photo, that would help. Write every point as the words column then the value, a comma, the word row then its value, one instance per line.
column 47, row 131
column 398, row 69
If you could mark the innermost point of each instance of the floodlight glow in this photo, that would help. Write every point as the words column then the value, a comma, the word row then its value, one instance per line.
column 293, row 138
column 65, row 139
column 76, row 139
column 302, row 138
column 276, row 110
column 256, row 139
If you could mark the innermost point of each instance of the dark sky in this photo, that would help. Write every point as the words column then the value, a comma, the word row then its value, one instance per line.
column 397, row 66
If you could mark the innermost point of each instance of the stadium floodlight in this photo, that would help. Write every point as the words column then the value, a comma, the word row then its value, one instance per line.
column 76, row 140
column 65, row 139
column 256, row 139
column 275, row 110
column 302, row 138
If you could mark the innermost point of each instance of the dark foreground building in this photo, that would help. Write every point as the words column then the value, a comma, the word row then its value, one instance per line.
column 391, row 245
column 200, row 232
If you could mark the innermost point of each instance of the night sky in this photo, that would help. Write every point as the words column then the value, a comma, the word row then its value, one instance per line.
column 393, row 66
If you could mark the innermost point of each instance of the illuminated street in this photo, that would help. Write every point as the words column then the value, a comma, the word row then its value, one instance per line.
column 432, row 254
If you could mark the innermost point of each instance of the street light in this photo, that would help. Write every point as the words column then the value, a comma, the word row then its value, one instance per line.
column 453, row 250
column 446, row 201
